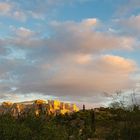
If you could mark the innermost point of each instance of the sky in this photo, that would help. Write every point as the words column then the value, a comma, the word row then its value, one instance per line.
column 82, row 51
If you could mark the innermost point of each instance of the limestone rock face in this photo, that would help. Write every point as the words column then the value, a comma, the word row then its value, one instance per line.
column 37, row 107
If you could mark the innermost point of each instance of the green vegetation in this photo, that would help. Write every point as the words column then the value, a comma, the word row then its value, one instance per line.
column 102, row 124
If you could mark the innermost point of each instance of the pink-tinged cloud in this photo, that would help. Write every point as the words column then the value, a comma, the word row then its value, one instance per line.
column 4, row 7
column 83, row 58
column 75, row 61
column 79, row 37
column 119, row 64
column 131, row 23
column 24, row 33
column 105, row 73
column 11, row 10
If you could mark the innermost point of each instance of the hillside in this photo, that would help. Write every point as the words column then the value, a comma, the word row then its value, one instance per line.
column 98, row 124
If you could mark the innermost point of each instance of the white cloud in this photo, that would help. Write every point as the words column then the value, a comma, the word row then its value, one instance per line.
column 90, row 22
column 24, row 32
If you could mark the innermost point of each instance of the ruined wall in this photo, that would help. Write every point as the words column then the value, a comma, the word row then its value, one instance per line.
column 37, row 107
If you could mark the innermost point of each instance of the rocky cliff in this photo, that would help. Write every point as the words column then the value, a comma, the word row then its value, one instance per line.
column 37, row 107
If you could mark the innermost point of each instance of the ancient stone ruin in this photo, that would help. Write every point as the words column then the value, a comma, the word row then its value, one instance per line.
column 37, row 107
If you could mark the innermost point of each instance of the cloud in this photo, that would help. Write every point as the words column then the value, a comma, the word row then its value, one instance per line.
column 4, row 8
column 90, row 22
column 74, row 61
column 83, row 58
column 128, row 7
column 19, row 15
column 65, row 78
column 86, row 38
column 11, row 10
column 33, row 9
column 119, row 64
column 105, row 73
column 131, row 25
column 24, row 32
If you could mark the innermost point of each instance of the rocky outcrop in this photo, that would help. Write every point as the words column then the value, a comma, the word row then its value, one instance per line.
column 37, row 107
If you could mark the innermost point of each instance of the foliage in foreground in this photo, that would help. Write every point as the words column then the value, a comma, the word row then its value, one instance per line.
column 104, row 124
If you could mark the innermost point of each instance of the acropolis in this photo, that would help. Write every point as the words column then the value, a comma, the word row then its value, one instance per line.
column 37, row 107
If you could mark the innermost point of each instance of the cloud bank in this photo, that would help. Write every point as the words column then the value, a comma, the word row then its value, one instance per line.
column 73, row 62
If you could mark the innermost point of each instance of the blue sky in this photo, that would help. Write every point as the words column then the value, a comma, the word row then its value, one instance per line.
column 74, row 50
